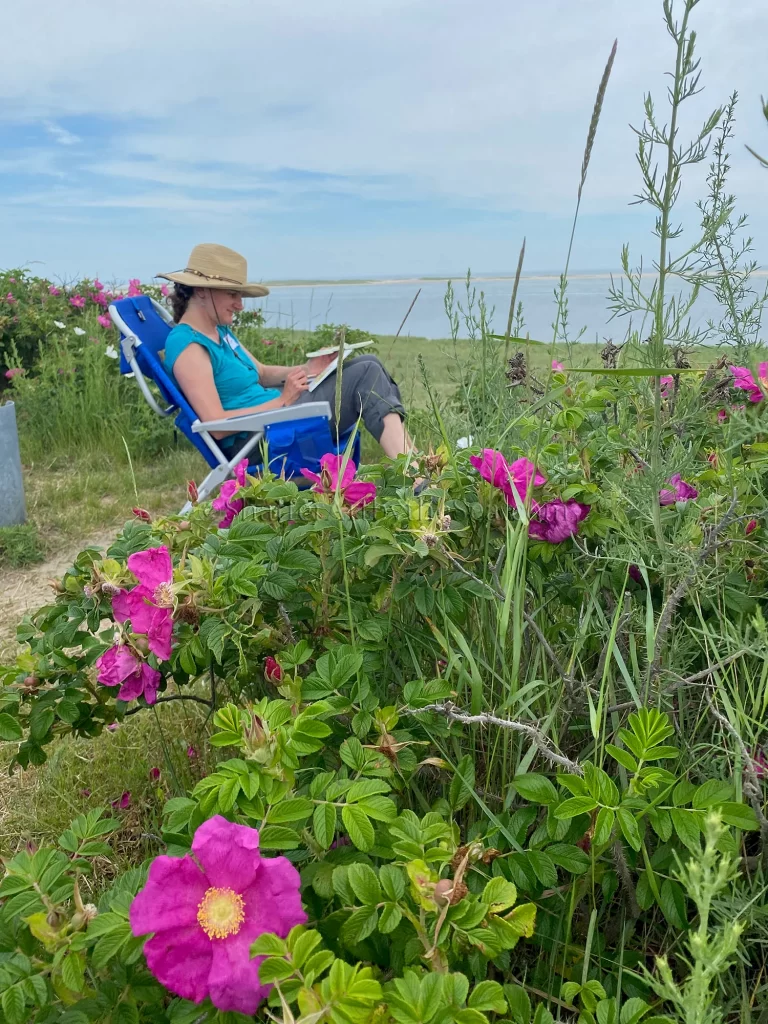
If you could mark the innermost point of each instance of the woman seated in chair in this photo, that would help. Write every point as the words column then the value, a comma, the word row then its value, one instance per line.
column 220, row 379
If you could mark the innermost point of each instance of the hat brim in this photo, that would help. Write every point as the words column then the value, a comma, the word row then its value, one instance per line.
column 250, row 290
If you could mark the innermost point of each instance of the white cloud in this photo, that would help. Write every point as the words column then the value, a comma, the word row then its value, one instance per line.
column 61, row 135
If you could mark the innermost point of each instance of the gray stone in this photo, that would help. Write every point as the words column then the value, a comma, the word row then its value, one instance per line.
column 13, row 509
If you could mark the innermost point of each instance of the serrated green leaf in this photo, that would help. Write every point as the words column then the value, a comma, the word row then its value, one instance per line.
column 296, row 808
column 629, row 827
column 358, row 826
column 535, row 788
column 488, row 996
column 364, row 882
column 324, row 824
column 574, row 806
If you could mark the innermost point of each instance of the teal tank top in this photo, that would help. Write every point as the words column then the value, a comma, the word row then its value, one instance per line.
column 234, row 373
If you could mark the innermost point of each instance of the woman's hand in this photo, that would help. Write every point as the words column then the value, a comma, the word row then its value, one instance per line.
column 317, row 364
column 295, row 384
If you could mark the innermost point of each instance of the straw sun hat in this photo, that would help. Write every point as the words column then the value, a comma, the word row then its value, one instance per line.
column 215, row 266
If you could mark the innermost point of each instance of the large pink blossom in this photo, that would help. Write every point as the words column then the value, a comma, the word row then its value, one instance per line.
column 744, row 381
column 226, row 501
column 206, row 909
column 134, row 288
column 78, row 301
column 667, row 387
column 520, row 474
column 98, row 286
column 164, row 290
column 678, row 490
column 149, row 606
column 104, row 320
column 15, row 371
column 557, row 520
column 331, row 478
column 53, row 290
column 120, row 666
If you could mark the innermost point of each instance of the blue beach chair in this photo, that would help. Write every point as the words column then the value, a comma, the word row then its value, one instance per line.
column 295, row 438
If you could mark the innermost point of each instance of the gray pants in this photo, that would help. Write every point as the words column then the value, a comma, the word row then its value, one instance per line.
column 367, row 390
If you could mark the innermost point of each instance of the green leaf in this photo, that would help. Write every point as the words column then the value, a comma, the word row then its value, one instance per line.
column 572, row 858
column 629, row 827
column 489, row 996
column 359, row 827
column 10, row 729
column 499, row 895
column 274, row 968
column 278, row 837
column 542, row 1015
column 269, row 944
column 463, row 783
column 324, row 824
column 673, row 903
column 604, row 823
column 364, row 882
column 623, row 757
column 543, row 868
column 13, row 1005
column 390, row 918
column 519, row 1003
column 360, row 924
column 712, row 793
column 125, row 1013
column 739, row 816
column 686, row 826
column 392, row 881
column 536, row 788
column 633, row 1010
column 574, row 806
column 296, row 809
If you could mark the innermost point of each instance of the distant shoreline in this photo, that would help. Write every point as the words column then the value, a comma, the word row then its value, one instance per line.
column 417, row 281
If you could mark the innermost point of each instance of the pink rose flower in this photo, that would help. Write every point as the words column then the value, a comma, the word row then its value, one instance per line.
column 98, row 286
column 678, row 491
column 354, row 493
column 273, row 673
column 119, row 666
column 149, row 606
column 124, row 802
column 520, row 475
column 205, row 909
column 134, row 288
column 557, row 520
column 78, row 301
column 10, row 299
column 104, row 320
column 667, row 387
column 751, row 526
column 165, row 291
column 744, row 381
column 53, row 290
column 557, row 367
column 15, row 371
column 226, row 502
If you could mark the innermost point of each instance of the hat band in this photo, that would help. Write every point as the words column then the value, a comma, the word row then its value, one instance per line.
column 212, row 277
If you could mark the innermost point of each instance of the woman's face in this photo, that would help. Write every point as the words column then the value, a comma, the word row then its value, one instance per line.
column 223, row 305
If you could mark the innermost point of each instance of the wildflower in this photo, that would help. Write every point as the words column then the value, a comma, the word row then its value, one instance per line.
column 59, row 324
column 557, row 367
column 744, row 381
column 266, row 341
column 111, row 352
column 124, row 802
column 142, row 514
column 85, row 792
column 667, row 387
column 557, row 520
column 134, row 287
column 680, row 491
column 113, row 727
column 102, row 299
column 760, row 764
column 354, row 493
column 191, row 752
column 192, row 491
column 154, row 774
column 78, row 331
column 636, row 575
column 165, row 290
column 520, row 475
column 78, row 301
column 12, row 280
column 98, row 286
column 53, row 290
column 751, row 526
column 273, row 673
column 465, row 442
column 104, row 320
column 15, row 371
column 119, row 666
column 226, row 502
column 10, row 299
column 206, row 910
column 149, row 605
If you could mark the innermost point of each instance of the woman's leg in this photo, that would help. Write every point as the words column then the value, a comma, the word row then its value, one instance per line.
column 368, row 390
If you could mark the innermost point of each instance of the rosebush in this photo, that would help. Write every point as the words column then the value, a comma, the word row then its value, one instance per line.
column 348, row 656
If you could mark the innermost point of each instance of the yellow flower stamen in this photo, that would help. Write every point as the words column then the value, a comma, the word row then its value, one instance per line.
column 220, row 913
column 163, row 596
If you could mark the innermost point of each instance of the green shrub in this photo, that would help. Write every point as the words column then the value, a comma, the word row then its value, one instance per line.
column 19, row 546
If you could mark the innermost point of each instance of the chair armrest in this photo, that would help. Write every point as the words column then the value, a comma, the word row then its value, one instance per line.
column 254, row 421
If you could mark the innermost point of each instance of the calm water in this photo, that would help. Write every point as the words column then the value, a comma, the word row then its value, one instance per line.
column 379, row 308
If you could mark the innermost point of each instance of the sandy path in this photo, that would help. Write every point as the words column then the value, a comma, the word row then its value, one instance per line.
column 25, row 590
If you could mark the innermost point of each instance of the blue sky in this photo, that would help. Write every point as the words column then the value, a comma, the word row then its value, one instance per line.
column 330, row 138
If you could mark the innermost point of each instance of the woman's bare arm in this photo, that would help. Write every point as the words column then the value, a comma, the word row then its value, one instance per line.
column 194, row 374
column 271, row 376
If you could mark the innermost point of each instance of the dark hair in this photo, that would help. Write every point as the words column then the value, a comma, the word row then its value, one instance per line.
column 179, row 300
